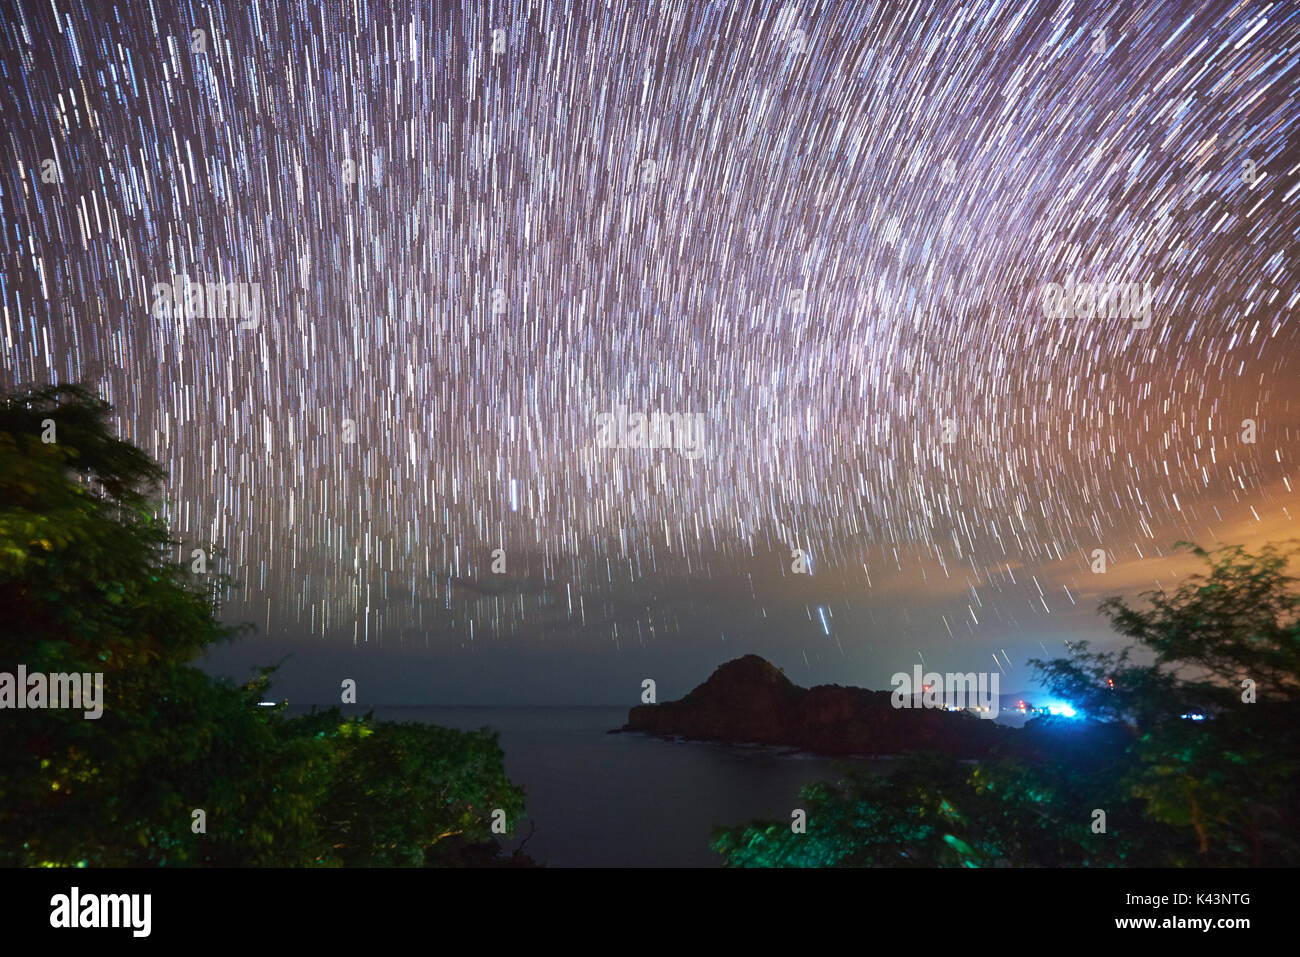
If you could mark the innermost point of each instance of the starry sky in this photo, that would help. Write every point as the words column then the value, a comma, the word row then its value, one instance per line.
column 822, row 230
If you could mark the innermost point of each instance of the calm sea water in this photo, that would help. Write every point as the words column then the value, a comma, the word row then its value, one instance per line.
column 626, row 800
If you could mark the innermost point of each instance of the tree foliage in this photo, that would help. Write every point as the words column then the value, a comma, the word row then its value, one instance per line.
column 89, row 583
column 1189, row 767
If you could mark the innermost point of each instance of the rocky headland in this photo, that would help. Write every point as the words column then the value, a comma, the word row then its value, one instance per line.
column 749, row 700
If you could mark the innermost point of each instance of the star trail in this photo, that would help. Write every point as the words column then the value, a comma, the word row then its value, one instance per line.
column 822, row 228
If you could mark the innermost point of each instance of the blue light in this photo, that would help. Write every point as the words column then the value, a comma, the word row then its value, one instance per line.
column 1061, row 709
column 1192, row 717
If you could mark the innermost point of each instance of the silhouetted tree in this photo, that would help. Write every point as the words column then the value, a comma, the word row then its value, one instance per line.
column 86, row 586
column 1192, row 755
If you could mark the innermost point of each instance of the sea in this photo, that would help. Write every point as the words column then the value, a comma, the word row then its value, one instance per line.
column 628, row 800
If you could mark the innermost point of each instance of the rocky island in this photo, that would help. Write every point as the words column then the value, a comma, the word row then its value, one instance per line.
column 749, row 700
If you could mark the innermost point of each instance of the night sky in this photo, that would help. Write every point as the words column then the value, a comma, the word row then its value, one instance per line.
column 823, row 228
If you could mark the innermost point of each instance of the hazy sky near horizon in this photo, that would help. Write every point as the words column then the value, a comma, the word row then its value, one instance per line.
column 821, row 231
column 866, row 654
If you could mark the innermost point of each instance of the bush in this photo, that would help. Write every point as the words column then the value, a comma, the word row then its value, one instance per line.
column 86, row 586
column 1215, row 791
